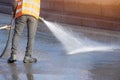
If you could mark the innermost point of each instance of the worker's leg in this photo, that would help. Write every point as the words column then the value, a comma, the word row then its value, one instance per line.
column 32, row 26
column 19, row 25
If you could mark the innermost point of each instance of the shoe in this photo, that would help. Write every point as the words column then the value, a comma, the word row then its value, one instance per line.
column 29, row 59
column 12, row 58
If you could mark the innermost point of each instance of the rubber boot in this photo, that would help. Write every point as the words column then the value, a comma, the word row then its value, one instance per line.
column 12, row 58
column 29, row 59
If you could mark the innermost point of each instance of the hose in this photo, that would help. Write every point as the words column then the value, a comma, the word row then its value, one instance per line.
column 9, row 37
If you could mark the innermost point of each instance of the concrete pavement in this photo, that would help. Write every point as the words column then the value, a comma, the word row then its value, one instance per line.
column 55, row 64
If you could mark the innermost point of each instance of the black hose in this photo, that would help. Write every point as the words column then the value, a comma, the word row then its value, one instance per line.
column 8, row 40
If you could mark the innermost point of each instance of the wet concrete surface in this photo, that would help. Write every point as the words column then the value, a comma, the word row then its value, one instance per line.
column 55, row 64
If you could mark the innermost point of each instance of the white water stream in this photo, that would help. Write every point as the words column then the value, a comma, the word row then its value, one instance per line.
column 74, row 44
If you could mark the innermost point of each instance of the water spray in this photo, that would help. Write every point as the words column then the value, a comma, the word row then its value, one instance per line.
column 73, row 44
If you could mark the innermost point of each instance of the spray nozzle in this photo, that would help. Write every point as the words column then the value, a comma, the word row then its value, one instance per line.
column 42, row 19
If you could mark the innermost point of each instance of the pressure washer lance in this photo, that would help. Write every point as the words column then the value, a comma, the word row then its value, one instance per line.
column 42, row 19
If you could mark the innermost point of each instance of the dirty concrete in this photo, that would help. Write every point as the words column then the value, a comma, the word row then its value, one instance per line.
column 53, row 62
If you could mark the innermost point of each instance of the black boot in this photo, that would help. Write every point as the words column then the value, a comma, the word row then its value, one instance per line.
column 29, row 59
column 12, row 58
